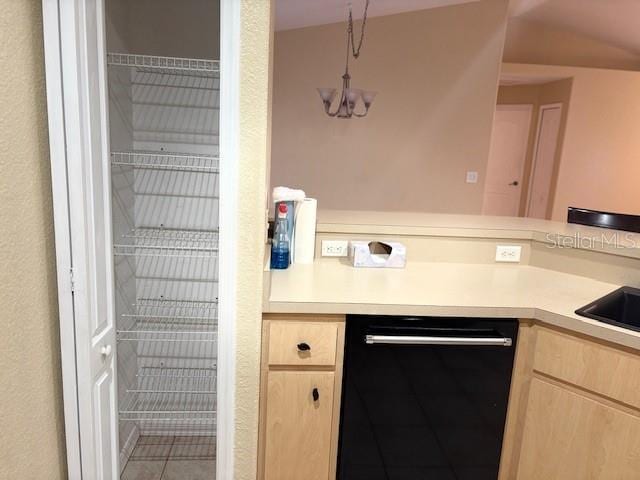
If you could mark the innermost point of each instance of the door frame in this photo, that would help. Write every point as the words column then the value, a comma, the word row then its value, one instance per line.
column 62, row 231
column 64, row 96
column 228, row 237
column 536, row 149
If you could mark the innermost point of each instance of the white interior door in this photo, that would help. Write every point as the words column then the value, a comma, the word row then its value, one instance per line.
column 544, row 160
column 76, row 66
column 509, row 140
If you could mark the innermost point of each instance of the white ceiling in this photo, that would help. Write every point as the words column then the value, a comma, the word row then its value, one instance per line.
column 304, row 13
column 616, row 22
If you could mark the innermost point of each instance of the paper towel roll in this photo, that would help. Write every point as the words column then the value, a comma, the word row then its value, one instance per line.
column 305, row 236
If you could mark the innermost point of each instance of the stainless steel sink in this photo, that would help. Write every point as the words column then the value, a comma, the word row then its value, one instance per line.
column 621, row 308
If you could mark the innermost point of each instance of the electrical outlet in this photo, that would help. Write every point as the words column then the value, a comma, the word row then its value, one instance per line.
column 472, row 177
column 335, row 248
column 508, row 253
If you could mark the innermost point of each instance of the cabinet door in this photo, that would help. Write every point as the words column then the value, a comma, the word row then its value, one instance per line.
column 298, row 427
column 568, row 436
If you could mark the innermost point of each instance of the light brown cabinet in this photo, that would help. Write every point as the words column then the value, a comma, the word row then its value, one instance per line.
column 301, row 382
column 568, row 436
column 298, row 425
column 574, row 409
column 302, row 344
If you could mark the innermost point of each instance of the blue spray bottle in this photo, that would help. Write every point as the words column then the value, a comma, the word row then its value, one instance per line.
column 281, row 244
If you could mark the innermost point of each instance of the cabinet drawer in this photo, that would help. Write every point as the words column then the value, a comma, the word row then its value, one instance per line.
column 598, row 368
column 288, row 342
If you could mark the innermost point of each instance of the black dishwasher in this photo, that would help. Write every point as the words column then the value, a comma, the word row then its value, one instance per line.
column 424, row 398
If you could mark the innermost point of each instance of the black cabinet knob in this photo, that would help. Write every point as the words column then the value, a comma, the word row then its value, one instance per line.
column 304, row 347
column 316, row 394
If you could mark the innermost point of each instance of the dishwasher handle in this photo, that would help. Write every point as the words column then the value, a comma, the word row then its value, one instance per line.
column 417, row 340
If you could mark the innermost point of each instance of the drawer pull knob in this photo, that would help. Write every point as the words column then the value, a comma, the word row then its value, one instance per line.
column 303, row 347
column 316, row 394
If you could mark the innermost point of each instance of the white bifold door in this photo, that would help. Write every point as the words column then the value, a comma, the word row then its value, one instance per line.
column 78, row 119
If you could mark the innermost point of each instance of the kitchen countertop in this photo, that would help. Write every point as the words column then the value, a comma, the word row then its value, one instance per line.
column 615, row 242
column 444, row 289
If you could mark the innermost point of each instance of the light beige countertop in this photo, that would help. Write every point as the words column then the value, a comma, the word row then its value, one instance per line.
column 444, row 289
column 478, row 226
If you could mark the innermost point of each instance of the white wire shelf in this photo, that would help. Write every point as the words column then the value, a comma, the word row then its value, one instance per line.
column 168, row 331
column 179, row 312
column 180, row 395
column 166, row 65
column 160, row 320
column 164, row 137
column 167, row 161
column 165, row 242
column 174, row 82
column 177, row 105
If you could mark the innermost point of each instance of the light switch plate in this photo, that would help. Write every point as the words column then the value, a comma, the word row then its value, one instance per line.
column 508, row 253
column 472, row 177
column 335, row 248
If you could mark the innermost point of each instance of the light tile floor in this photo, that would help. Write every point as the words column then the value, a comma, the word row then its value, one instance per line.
column 172, row 458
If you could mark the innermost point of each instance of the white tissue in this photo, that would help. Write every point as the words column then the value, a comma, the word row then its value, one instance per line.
column 286, row 194
column 305, row 227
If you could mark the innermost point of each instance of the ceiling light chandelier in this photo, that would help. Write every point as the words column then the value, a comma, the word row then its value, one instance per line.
column 350, row 96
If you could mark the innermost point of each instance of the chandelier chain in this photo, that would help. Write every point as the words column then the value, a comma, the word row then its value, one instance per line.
column 349, row 97
column 354, row 50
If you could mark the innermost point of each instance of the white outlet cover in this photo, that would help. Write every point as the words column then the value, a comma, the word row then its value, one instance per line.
column 508, row 253
column 335, row 248
column 472, row 177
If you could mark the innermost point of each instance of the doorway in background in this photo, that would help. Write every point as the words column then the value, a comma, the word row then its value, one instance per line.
column 507, row 156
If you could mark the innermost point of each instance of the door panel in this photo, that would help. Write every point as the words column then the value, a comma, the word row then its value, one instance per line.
column 104, row 396
column 298, row 428
column 98, row 161
column 87, row 155
column 509, row 140
column 568, row 436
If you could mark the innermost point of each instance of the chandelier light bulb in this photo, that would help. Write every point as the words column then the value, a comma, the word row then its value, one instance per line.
column 327, row 94
column 368, row 97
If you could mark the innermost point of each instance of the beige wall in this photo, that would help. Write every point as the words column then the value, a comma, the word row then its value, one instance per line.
column 151, row 27
column 532, row 42
column 31, row 429
column 254, row 117
column 436, row 72
column 600, row 163
column 537, row 96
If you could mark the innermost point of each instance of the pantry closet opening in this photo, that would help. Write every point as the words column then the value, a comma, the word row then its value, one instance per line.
column 164, row 121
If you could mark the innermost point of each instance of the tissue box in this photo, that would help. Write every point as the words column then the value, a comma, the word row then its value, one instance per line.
column 378, row 254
